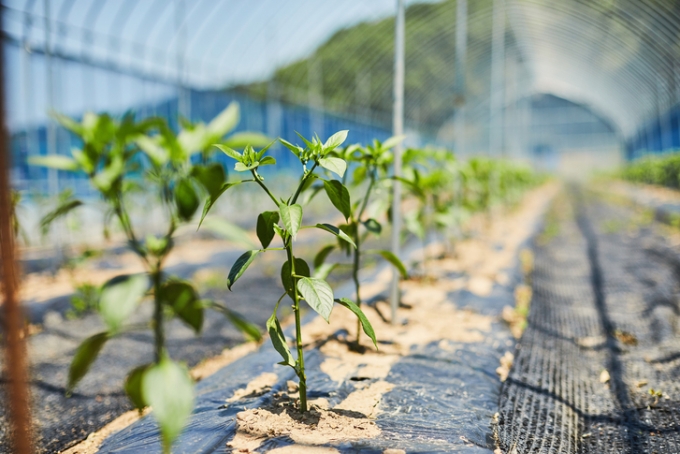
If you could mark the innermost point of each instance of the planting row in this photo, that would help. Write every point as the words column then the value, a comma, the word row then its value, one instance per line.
column 661, row 170
column 123, row 156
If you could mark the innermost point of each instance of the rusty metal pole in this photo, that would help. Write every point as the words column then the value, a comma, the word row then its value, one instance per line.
column 16, row 370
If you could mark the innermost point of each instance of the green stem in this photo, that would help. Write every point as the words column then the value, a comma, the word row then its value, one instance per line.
column 302, row 183
column 263, row 186
column 300, row 366
column 357, row 250
column 159, row 335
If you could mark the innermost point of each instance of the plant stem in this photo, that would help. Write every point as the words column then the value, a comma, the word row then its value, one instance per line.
column 300, row 366
column 159, row 335
column 357, row 251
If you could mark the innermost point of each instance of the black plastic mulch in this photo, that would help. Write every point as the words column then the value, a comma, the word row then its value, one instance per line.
column 61, row 421
column 605, row 299
column 443, row 400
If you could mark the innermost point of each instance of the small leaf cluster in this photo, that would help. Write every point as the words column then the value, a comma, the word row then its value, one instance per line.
column 118, row 156
column 285, row 221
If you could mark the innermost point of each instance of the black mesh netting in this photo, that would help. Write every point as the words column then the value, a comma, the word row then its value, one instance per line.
column 601, row 335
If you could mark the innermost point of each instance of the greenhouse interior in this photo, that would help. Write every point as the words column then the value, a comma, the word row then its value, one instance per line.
column 313, row 226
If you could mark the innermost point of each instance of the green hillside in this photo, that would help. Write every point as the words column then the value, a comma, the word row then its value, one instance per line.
column 356, row 66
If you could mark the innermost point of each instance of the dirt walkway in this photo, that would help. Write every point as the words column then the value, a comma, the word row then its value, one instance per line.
column 597, row 368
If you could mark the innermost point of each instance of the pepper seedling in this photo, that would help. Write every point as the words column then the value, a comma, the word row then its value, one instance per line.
column 286, row 221
column 111, row 158
column 372, row 164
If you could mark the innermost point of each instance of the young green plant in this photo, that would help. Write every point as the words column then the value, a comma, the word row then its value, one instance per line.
column 370, row 175
column 111, row 158
column 286, row 221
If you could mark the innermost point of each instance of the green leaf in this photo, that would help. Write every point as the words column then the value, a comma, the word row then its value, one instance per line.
column 120, row 296
column 279, row 341
column 211, row 201
column 68, row 123
column 104, row 179
column 393, row 259
column 241, row 167
column 85, row 356
column 267, row 161
column 322, row 271
column 153, row 149
column 291, row 215
column 229, row 152
column 211, row 177
column 229, row 231
column 156, row 246
column 250, row 330
column 54, row 162
column 240, row 266
column 318, row 294
column 186, row 200
column 365, row 324
column 168, row 388
column 241, row 139
column 301, row 269
column 294, row 148
column 224, row 122
column 337, row 232
column 372, row 226
column 413, row 224
column 183, row 298
column 335, row 140
column 339, row 197
column 335, row 165
column 307, row 142
column 392, row 141
column 64, row 207
column 265, row 227
column 133, row 386
column 322, row 255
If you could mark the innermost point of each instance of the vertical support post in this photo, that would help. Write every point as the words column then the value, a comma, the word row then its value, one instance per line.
column 27, row 88
column 315, row 94
column 497, row 77
column 52, row 175
column 461, row 69
column 16, row 368
column 183, row 93
column 397, row 130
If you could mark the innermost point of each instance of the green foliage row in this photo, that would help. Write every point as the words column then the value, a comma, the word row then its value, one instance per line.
column 661, row 170
column 122, row 157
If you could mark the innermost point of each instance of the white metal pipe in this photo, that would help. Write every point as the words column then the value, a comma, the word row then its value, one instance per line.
column 397, row 130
